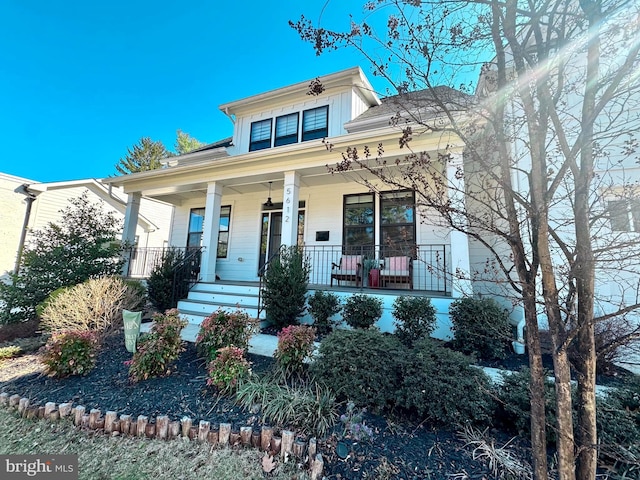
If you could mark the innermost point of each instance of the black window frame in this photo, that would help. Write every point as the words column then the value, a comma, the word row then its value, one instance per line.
column 195, row 233
column 290, row 138
column 407, row 246
column 315, row 133
column 360, row 248
column 261, row 144
column 220, row 231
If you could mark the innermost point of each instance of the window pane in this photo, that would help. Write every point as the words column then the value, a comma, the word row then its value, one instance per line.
column 223, row 231
column 358, row 223
column 315, row 123
column 286, row 129
column 618, row 215
column 396, row 209
column 260, row 135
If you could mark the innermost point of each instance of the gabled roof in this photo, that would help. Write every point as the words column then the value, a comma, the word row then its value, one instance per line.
column 423, row 105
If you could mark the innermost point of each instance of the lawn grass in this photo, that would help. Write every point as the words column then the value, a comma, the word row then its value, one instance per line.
column 104, row 457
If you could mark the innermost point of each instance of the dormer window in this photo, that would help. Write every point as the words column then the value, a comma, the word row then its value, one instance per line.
column 260, row 135
column 286, row 129
column 315, row 123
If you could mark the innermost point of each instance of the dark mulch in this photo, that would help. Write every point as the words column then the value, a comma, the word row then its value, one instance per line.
column 12, row 331
column 398, row 450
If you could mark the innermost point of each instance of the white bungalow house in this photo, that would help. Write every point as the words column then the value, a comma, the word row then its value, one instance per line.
column 269, row 186
column 29, row 206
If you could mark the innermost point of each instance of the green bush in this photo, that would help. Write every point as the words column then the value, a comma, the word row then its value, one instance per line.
column 618, row 423
column 160, row 281
column 157, row 350
column 481, row 327
column 227, row 369
column 307, row 407
column 224, row 329
column 95, row 305
column 364, row 366
column 415, row 318
column 362, row 311
column 285, row 287
column 323, row 305
column 513, row 406
column 70, row 353
column 82, row 245
column 441, row 386
column 295, row 345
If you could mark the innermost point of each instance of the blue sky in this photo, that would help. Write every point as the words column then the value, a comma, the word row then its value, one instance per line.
column 82, row 81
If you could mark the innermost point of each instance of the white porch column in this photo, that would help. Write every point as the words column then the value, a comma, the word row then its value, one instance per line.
column 210, row 232
column 290, row 208
column 460, row 264
column 130, row 225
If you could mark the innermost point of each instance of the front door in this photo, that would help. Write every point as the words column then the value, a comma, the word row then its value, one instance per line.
column 271, row 236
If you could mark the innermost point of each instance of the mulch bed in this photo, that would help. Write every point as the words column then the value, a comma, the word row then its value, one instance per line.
column 398, row 450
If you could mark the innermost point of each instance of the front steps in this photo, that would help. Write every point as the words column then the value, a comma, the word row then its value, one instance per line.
column 206, row 298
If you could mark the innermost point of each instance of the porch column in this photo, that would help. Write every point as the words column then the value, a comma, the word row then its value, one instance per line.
column 130, row 226
column 210, row 232
column 291, row 198
column 460, row 264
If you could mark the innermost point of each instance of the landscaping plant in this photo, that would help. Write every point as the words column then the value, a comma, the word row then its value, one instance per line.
column 323, row 305
column 82, row 245
column 95, row 305
column 354, row 425
column 481, row 327
column 364, row 366
column 228, row 368
column 70, row 353
column 160, row 281
column 306, row 406
column 440, row 385
column 158, row 349
column 285, row 287
column 224, row 329
column 362, row 311
column 295, row 345
column 415, row 318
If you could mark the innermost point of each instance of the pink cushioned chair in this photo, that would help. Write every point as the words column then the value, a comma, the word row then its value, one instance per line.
column 349, row 270
column 397, row 270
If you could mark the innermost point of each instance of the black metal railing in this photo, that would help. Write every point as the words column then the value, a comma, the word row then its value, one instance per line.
column 141, row 261
column 424, row 267
column 186, row 274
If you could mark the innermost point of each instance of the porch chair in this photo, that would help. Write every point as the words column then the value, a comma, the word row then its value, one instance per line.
column 397, row 270
column 348, row 270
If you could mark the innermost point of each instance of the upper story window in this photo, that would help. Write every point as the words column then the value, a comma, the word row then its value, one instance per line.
column 286, row 129
column 260, row 135
column 624, row 215
column 315, row 123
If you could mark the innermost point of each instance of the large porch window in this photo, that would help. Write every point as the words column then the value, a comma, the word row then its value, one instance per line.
column 196, row 222
column 359, row 222
column 396, row 220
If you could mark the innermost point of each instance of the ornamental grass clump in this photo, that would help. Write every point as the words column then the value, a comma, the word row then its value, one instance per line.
column 295, row 345
column 159, row 349
column 70, row 353
column 228, row 369
column 362, row 311
column 224, row 329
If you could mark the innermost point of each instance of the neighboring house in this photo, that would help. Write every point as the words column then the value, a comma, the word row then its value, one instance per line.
column 269, row 186
column 151, row 229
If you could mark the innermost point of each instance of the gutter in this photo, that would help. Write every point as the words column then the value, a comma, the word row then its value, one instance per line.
column 29, row 198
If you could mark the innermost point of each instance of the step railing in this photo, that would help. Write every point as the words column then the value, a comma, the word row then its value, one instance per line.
column 186, row 274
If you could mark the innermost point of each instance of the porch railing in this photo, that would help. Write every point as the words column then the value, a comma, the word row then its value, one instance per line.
column 424, row 267
column 142, row 261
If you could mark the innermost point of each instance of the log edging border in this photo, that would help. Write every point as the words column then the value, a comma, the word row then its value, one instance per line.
column 112, row 424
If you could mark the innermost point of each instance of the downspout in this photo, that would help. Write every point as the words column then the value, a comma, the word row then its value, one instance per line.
column 29, row 198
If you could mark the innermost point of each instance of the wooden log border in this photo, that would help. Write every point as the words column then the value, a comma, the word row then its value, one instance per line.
column 162, row 428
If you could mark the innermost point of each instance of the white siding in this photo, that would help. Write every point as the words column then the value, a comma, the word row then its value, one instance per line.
column 12, row 212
